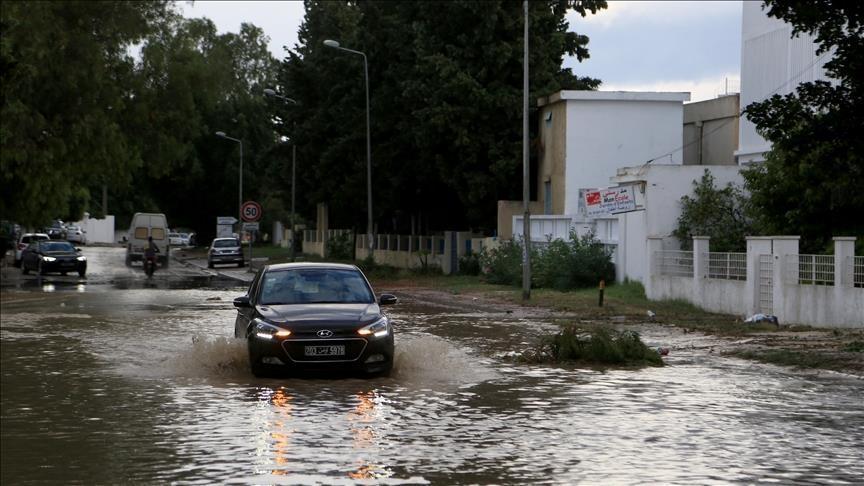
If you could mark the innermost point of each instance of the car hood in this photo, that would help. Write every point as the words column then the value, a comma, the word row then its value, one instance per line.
column 60, row 253
column 312, row 314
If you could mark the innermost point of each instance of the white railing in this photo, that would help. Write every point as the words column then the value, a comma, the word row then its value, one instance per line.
column 675, row 263
column 857, row 265
column 810, row 269
column 728, row 266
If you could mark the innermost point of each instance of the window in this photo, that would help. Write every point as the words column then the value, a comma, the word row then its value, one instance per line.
column 141, row 233
column 547, row 196
column 157, row 233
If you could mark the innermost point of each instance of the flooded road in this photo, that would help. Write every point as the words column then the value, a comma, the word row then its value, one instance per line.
column 111, row 381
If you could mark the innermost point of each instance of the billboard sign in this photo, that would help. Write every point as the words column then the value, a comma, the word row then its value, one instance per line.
column 605, row 202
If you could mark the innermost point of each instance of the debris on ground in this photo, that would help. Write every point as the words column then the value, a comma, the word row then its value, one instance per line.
column 760, row 318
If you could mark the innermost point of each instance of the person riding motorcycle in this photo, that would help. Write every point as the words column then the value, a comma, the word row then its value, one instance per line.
column 150, row 254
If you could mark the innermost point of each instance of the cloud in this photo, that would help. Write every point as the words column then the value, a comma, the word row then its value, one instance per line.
column 620, row 13
column 700, row 90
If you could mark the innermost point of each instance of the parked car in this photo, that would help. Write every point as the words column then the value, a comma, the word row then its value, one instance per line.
column 184, row 239
column 315, row 316
column 24, row 241
column 57, row 230
column 76, row 234
column 46, row 256
column 174, row 239
column 225, row 250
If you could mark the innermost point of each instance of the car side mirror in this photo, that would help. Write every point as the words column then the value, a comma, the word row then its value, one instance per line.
column 243, row 301
column 387, row 299
column 78, row 249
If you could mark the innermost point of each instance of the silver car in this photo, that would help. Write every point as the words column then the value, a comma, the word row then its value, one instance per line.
column 225, row 250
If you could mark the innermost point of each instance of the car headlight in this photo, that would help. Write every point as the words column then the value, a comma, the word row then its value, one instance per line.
column 379, row 328
column 48, row 259
column 82, row 259
column 267, row 331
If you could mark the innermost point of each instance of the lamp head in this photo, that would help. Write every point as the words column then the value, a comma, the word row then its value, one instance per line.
column 220, row 134
column 331, row 43
column 269, row 92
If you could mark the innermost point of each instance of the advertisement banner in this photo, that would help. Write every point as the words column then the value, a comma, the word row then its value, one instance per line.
column 605, row 202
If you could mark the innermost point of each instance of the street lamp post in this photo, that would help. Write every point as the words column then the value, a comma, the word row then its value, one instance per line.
column 369, row 239
column 270, row 92
column 240, row 193
column 526, row 194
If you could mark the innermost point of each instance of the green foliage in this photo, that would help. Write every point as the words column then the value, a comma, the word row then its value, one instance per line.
column 717, row 213
column 810, row 183
column 445, row 81
column 503, row 264
column 469, row 264
column 561, row 265
column 340, row 247
column 579, row 262
column 593, row 346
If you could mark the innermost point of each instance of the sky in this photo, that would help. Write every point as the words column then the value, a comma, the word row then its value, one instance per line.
column 634, row 46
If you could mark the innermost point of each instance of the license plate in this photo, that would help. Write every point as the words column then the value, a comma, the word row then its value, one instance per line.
column 333, row 350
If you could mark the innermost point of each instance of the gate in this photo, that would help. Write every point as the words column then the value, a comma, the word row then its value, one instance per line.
column 766, row 284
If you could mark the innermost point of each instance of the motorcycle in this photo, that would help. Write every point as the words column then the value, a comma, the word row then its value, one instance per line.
column 150, row 265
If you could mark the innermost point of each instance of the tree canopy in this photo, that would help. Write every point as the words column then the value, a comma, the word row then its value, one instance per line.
column 445, row 81
column 811, row 182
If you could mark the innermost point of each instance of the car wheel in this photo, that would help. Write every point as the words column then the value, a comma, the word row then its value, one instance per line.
column 63, row 273
column 241, row 264
column 17, row 264
column 81, row 273
column 39, row 269
column 24, row 269
column 128, row 260
column 209, row 264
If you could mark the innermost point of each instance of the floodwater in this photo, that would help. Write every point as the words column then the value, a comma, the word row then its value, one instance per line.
column 118, row 383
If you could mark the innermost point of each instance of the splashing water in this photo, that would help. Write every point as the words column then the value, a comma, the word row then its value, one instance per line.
column 433, row 359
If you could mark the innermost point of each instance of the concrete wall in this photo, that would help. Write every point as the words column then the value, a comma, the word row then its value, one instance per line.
column 771, row 63
column 610, row 130
column 98, row 230
column 836, row 305
column 711, row 131
column 659, row 208
column 552, row 156
column 507, row 210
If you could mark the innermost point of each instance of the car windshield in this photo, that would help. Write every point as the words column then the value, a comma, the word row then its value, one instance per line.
column 56, row 246
column 315, row 286
column 225, row 243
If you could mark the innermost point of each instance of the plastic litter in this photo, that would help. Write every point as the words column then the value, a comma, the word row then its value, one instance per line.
column 760, row 318
column 651, row 315
column 662, row 351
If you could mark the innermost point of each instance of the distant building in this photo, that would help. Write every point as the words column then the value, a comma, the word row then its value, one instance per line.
column 711, row 131
column 772, row 62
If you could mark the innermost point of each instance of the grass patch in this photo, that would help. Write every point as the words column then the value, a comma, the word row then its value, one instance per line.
column 595, row 346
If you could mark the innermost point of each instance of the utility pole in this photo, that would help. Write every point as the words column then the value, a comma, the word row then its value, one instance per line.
column 526, row 175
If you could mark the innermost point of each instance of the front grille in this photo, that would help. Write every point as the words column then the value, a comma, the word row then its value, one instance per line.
column 296, row 349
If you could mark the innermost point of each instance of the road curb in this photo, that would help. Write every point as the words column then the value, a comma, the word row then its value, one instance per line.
column 189, row 263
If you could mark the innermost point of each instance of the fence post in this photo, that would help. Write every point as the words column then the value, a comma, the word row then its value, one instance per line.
column 701, row 247
column 844, row 249
column 654, row 244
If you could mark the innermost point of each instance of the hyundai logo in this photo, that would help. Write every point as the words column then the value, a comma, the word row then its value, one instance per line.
column 325, row 333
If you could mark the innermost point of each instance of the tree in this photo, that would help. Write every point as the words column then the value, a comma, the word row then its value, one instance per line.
column 446, row 98
column 65, row 67
column 812, row 179
column 720, row 214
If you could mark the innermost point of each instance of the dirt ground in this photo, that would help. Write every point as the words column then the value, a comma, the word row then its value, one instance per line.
column 837, row 350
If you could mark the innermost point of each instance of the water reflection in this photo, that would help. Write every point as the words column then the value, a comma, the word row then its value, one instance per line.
column 280, row 429
column 362, row 421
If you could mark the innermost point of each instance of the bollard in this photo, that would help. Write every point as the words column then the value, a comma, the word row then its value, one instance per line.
column 602, row 287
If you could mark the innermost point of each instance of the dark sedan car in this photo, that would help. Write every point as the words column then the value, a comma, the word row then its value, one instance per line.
column 315, row 316
column 53, row 256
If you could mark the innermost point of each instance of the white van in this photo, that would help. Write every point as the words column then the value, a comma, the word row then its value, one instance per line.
column 145, row 225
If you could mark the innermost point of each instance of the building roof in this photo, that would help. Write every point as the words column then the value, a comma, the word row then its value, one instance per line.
column 587, row 95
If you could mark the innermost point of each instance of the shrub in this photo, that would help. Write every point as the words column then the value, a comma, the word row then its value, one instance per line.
column 469, row 264
column 580, row 262
column 597, row 346
column 340, row 247
column 503, row 264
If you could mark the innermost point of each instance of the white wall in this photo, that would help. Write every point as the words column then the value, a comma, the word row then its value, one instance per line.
column 98, row 230
column 664, row 185
column 771, row 63
column 609, row 130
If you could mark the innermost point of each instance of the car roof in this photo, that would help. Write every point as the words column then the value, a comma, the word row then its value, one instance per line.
column 35, row 234
column 227, row 238
column 310, row 265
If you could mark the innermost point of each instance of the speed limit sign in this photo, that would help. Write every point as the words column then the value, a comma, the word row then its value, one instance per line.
column 250, row 211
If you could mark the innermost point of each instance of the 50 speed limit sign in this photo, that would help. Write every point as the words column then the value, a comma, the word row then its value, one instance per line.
column 250, row 211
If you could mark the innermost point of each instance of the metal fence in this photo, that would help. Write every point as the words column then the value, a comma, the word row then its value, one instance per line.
column 675, row 263
column 857, row 265
column 811, row 269
column 728, row 266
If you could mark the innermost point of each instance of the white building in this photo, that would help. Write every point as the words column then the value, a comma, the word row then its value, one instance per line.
column 772, row 62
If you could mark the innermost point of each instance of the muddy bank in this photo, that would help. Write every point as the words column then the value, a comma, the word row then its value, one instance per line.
column 836, row 350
